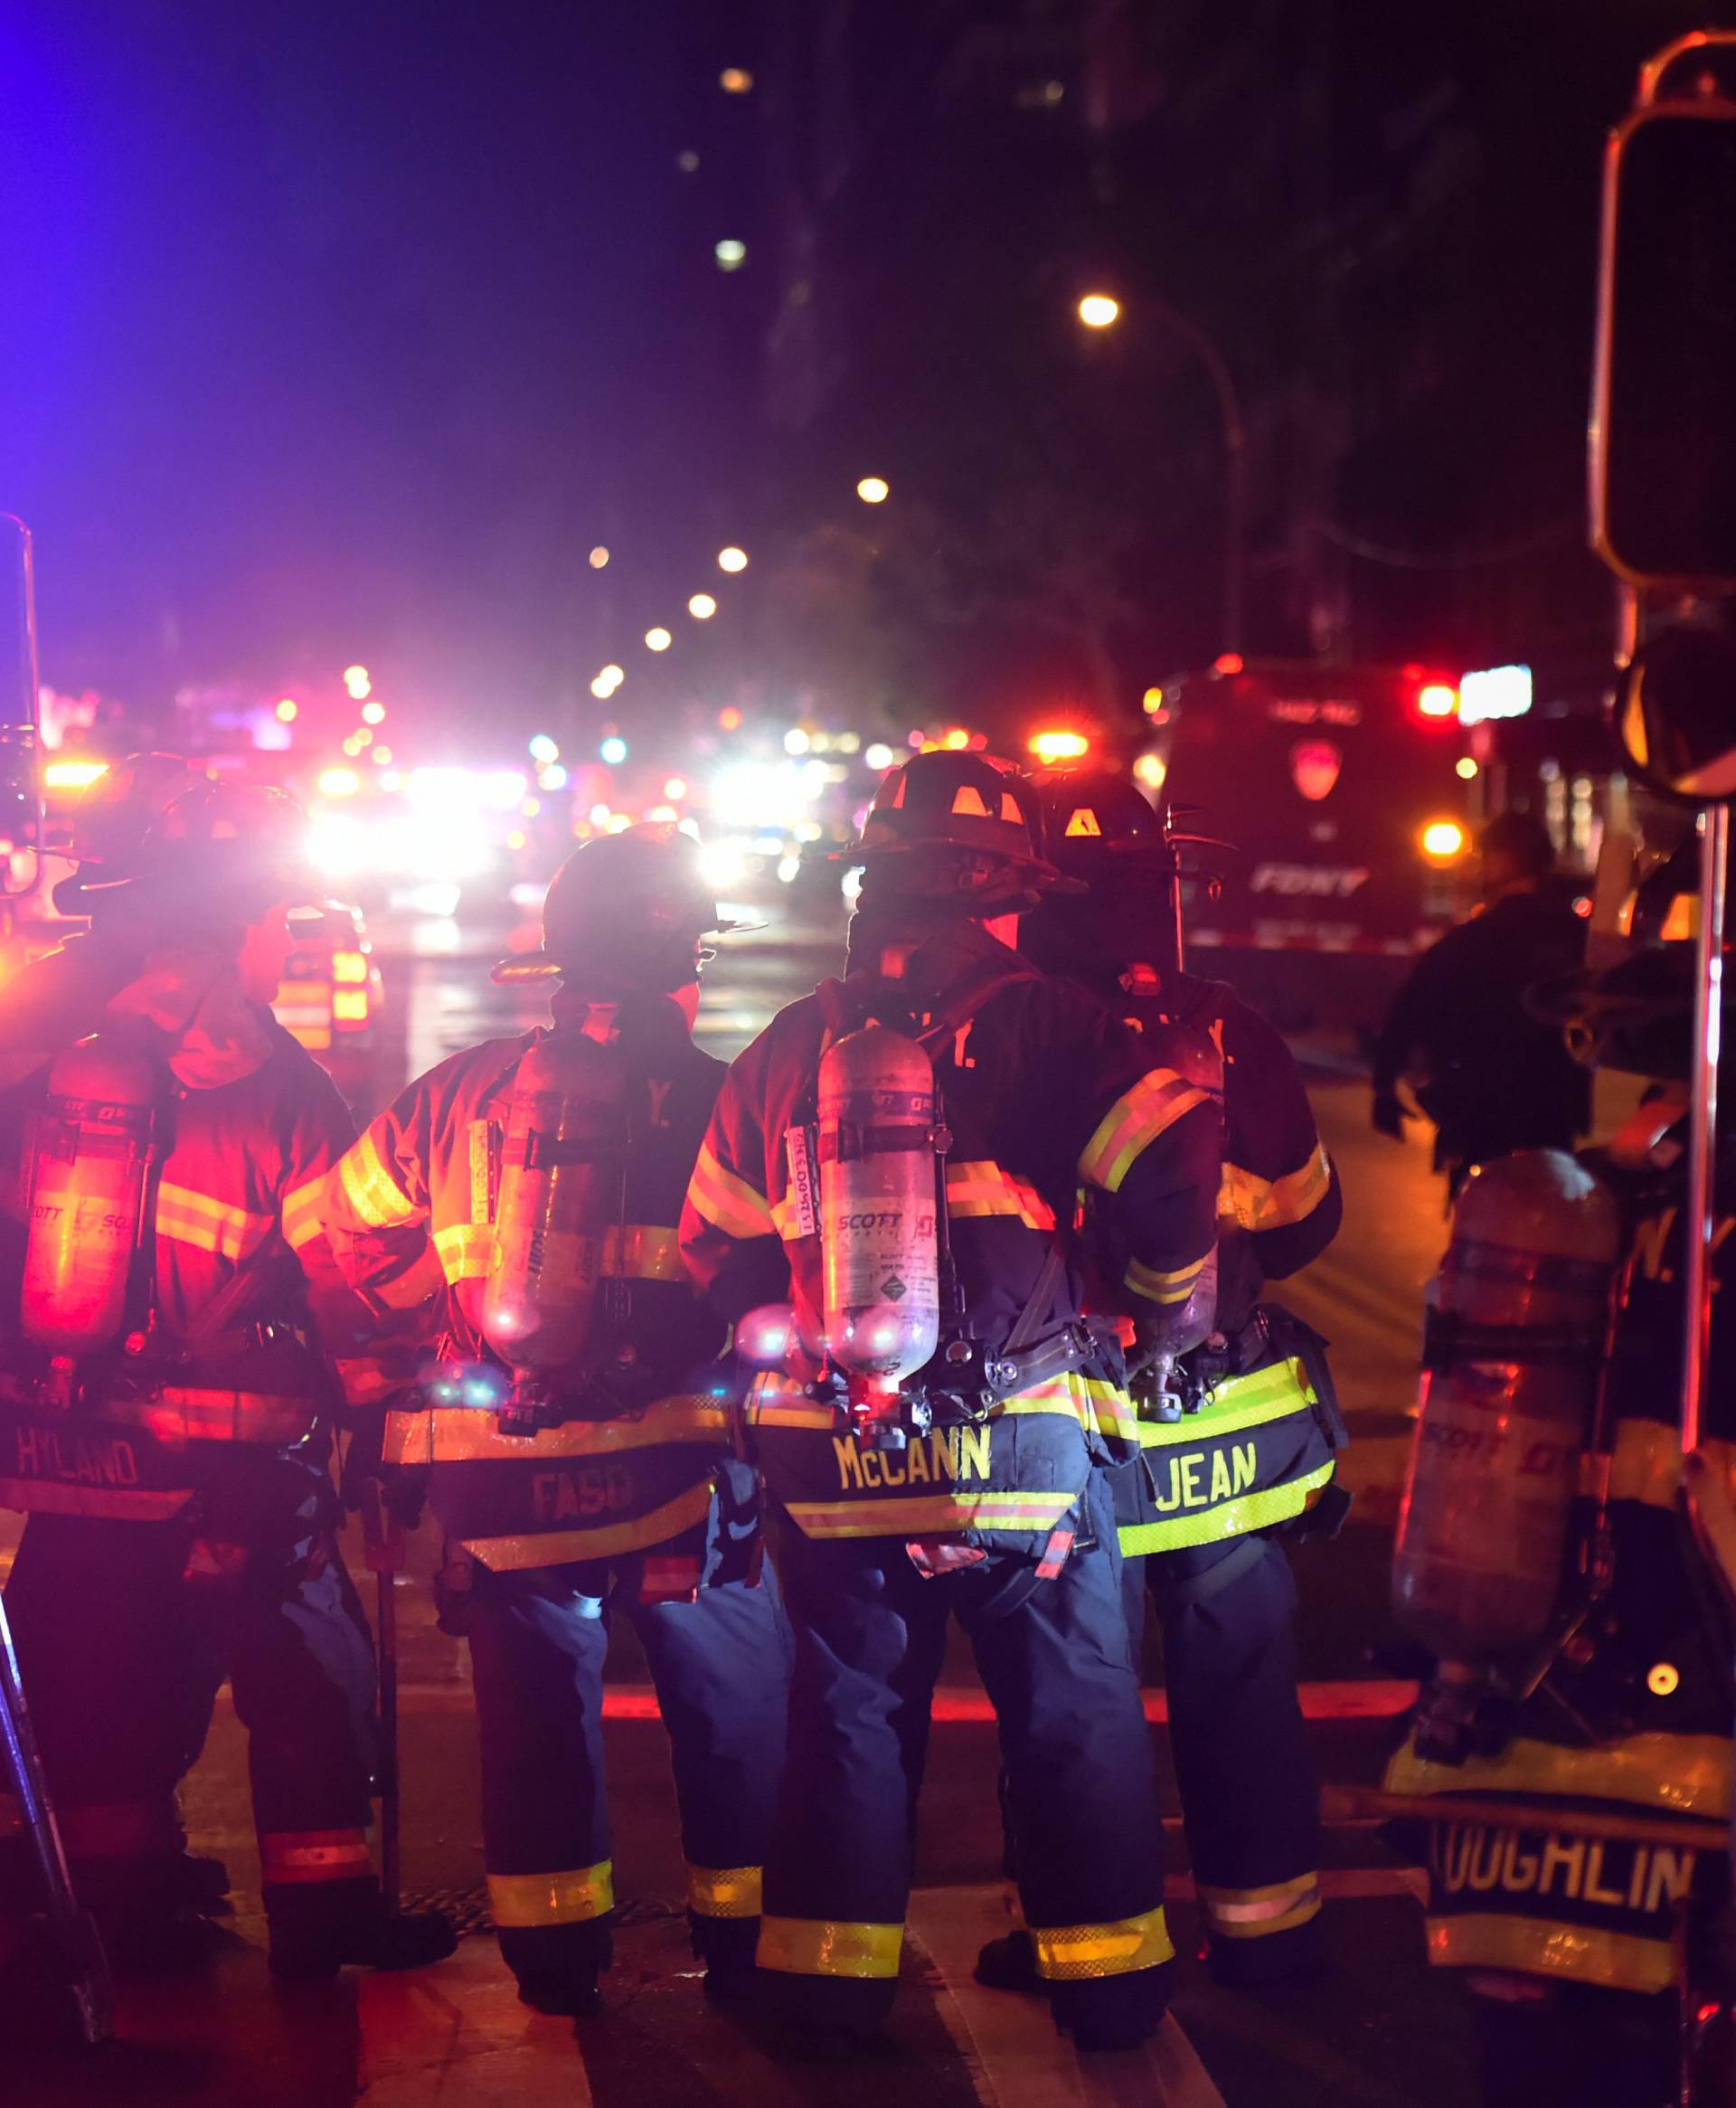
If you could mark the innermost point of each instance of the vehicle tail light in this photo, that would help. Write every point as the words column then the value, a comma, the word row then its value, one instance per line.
column 1437, row 700
column 350, row 1006
column 351, row 967
column 1441, row 840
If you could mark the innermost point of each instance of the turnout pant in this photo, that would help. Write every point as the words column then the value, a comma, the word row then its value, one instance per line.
column 1055, row 1657
column 125, row 1632
column 1250, row 1801
column 720, row 1666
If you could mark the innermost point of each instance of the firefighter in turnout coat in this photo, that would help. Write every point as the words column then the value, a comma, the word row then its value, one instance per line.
column 616, row 1491
column 171, row 1455
column 992, row 1510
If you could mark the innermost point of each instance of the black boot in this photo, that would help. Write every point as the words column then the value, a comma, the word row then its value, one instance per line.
column 1113, row 2012
column 726, row 1946
column 1009, row 1963
column 320, row 1927
column 559, row 1967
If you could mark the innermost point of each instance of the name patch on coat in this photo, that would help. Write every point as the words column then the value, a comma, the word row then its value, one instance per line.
column 947, row 1454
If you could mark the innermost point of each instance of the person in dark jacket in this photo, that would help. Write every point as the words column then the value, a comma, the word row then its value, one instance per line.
column 1494, row 1079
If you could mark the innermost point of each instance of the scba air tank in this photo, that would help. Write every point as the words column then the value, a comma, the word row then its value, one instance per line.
column 87, row 1198
column 878, row 1232
column 1505, row 1407
column 560, row 1191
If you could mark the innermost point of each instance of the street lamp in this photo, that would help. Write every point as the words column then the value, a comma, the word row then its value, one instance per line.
column 1105, row 311
column 701, row 607
column 873, row 490
column 731, row 559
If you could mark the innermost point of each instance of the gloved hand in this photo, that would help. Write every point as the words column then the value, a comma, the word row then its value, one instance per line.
column 402, row 1489
column 1388, row 1115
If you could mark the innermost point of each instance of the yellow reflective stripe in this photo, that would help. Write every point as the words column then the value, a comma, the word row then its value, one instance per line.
column 1646, row 1465
column 828, row 1947
column 727, row 1202
column 1066, row 1953
column 1237, row 1404
column 295, row 1856
column 774, row 1402
column 1539, row 1947
column 213, row 1225
column 984, row 1188
column 1273, row 1204
column 1157, row 1101
column 1251, row 1914
column 1688, row 1774
column 929, row 1514
column 1229, row 1518
column 452, row 1434
column 178, row 1415
column 1163, row 1288
column 372, row 1191
column 465, row 1250
column 302, row 1213
column 567, row 1548
column 1070, row 1394
column 643, row 1252
column 552, row 1899
column 723, row 1892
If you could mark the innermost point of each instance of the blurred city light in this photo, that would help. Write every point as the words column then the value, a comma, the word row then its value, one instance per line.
column 729, row 718
column 597, row 558
column 731, row 558
column 613, row 675
column 675, row 787
column 956, row 740
column 879, row 755
column 1442, row 838
column 731, row 254
column 1153, row 701
column 873, row 490
column 338, row 784
column 1059, row 746
column 553, row 777
column 1099, row 310
column 289, row 710
column 613, row 750
column 355, row 679
column 701, row 607
column 380, row 756
column 1437, row 700
column 1228, row 662
column 721, row 867
column 602, row 689
column 1494, row 692
column 795, row 741
column 1465, row 769
column 1149, row 771
column 374, row 713
column 766, row 797
column 73, row 775
column 658, row 639
column 542, row 748
column 735, row 81
column 687, row 161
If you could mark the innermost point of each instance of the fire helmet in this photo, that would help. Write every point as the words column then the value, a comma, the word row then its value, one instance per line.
column 109, row 822
column 627, row 910
column 1098, row 829
column 954, row 825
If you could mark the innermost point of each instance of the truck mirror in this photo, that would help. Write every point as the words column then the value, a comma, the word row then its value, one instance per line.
column 20, row 797
column 1663, row 429
column 1675, row 713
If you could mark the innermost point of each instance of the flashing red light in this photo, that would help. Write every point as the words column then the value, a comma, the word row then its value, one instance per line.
column 1437, row 700
column 1228, row 662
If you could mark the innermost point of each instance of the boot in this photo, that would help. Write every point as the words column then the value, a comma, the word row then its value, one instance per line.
column 317, row 1928
column 1297, row 1956
column 1113, row 2012
column 1009, row 1963
column 559, row 1967
column 726, row 1947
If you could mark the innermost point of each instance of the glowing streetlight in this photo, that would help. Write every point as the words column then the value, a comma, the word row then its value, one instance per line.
column 613, row 750
column 289, row 710
column 542, row 748
column 1099, row 310
column 701, row 607
column 597, row 558
column 732, row 559
column 735, row 81
column 873, row 490
column 658, row 639
column 356, row 680
column 374, row 713
column 731, row 254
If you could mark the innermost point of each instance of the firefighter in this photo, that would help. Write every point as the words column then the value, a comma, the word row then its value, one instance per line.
column 1261, row 1426
column 1496, row 1079
column 1575, row 1943
column 612, row 1489
column 162, row 1393
column 979, row 1495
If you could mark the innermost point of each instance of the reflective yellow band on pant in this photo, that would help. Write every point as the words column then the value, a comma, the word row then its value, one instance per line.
column 1539, row 1947
column 1236, row 1404
column 932, row 1515
column 1646, row 1466
column 723, row 1892
column 828, row 1947
column 571, row 1898
column 1685, row 1774
column 1229, row 1518
column 571, row 1547
column 292, row 1856
column 464, row 1434
column 375, row 1195
column 1250, row 1914
column 1067, row 1953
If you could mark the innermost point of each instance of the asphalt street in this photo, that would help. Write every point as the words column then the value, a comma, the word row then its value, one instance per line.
column 1378, row 2034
